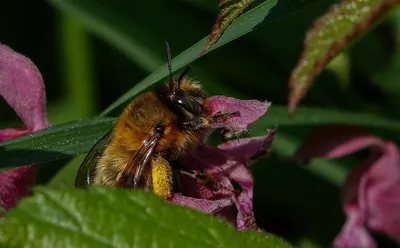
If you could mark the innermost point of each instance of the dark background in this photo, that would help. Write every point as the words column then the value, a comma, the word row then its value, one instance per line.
column 84, row 73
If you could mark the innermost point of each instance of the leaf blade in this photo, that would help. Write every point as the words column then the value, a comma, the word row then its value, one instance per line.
column 307, row 116
column 85, row 134
column 60, row 141
column 71, row 217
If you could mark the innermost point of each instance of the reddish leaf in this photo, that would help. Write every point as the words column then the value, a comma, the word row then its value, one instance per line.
column 328, row 36
column 230, row 10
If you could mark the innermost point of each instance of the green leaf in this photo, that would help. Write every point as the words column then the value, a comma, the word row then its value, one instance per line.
column 230, row 10
column 53, row 143
column 328, row 36
column 78, row 137
column 108, row 217
column 277, row 115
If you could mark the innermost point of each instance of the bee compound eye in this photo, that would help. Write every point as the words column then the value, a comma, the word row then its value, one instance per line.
column 189, row 104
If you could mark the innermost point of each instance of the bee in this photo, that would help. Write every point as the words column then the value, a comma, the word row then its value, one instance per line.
column 157, row 128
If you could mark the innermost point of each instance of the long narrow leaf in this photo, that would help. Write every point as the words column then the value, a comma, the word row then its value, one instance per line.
column 78, row 137
column 53, row 143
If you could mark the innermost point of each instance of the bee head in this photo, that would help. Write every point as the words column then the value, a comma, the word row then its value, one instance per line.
column 186, row 97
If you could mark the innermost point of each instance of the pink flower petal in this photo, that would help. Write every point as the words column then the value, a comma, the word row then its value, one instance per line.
column 384, row 213
column 335, row 141
column 206, row 201
column 249, row 149
column 371, row 192
column 354, row 234
column 15, row 184
column 248, row 112
column 246, row 150
column 353, row 192
column 21, row 85
column 245, row 219
column 202, row 205
column 210, row 160
column 10, row 133
column 382, row 192
column 228, row 162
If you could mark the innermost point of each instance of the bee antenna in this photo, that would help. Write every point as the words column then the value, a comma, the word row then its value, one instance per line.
column 169, row 61
column 182, row 75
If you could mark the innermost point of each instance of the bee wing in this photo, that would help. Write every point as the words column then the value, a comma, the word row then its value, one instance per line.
column 133, row 171
column 85, row 175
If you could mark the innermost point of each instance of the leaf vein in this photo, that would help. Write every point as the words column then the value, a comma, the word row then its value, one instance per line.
column 76, row 231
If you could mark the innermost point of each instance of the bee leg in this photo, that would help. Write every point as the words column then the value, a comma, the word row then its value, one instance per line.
column 161, row 177
column 194, row 124
column 228, row 134
column 221, row 117
column 206, row 180
column 200, row 177
column 225, row 135
column 201, row 122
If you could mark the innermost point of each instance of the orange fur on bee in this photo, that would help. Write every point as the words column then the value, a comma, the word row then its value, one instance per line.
column 133, row 127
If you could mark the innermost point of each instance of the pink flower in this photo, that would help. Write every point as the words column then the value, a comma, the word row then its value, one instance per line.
column 226, row 163
column 21, row 85
column 371, row 194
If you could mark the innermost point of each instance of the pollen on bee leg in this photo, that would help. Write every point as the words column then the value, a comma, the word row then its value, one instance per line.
column 162, row 177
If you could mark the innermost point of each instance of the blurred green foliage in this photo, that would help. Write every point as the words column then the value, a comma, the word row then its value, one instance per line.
column 86, row 67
